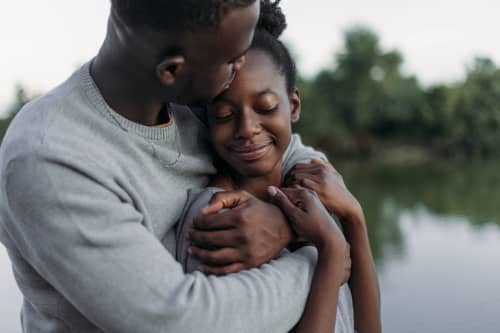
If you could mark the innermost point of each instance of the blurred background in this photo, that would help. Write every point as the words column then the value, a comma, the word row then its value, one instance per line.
column 404, row 97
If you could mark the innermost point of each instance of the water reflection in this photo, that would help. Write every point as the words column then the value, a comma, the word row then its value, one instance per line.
column 10, row 300
column 435, row 234
column 468, row 190
column 447, row 280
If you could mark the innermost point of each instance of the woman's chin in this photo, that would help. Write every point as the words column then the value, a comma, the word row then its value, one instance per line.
column 255, row 170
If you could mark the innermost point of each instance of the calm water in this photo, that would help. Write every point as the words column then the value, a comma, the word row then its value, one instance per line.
column 435, row 232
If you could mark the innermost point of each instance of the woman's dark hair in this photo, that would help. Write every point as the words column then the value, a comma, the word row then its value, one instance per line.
column 271, row 24
column 180, row 15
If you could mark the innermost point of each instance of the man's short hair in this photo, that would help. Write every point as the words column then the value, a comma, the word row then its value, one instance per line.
column 177, row 15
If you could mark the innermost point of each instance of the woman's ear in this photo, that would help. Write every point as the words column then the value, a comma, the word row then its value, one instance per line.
column 295, row 106
column 169, row 69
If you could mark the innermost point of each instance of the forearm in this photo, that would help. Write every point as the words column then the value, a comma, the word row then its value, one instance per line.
column 321, row 308
column 136, row 296
column 94, row 250
column 363, row 281
column 268, row 299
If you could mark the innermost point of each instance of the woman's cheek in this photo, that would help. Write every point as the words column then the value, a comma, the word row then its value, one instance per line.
column 218, row 143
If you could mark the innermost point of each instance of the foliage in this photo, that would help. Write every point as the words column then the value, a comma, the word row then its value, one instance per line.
column 476, row 111
column 364, row 98
column 365, row 104
column 21, row 98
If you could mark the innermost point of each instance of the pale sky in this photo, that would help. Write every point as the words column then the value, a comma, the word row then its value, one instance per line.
column 43, row 41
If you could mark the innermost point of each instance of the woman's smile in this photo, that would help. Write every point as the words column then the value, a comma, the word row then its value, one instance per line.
column 251, row 152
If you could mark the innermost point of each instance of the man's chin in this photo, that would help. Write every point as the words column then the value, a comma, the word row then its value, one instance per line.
column 192, row 102
column 198, row 102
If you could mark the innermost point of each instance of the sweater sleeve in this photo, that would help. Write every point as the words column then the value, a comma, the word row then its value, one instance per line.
column 197, row 199
column 298, row 153
column 88, row 242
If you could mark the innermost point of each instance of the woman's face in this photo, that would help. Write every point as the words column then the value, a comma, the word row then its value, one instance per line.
column 250, row 123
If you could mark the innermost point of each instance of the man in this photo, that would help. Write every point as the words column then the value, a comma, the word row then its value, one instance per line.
column 94, row 176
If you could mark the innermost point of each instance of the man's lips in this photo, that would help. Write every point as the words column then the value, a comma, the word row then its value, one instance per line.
column 250, row 152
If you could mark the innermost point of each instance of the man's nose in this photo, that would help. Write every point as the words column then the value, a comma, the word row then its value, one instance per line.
column 239, row 63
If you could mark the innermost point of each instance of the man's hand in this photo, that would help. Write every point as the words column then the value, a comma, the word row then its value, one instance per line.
column 249, row 234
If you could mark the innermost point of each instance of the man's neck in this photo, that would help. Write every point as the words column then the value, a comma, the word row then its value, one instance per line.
column 124, row 89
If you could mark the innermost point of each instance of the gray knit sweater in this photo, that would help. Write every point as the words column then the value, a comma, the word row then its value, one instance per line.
column 88, row 203
column 197, row 200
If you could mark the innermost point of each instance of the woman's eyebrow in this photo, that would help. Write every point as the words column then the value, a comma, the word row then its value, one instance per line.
column 265, row 92
column 222, row 99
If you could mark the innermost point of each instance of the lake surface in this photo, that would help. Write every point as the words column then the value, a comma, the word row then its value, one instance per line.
column 435, row 234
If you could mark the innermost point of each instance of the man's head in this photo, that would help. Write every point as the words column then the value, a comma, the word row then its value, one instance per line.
column 171, row 15
column 189, row 50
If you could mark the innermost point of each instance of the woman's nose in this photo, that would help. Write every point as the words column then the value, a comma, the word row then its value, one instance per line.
column 248, row 126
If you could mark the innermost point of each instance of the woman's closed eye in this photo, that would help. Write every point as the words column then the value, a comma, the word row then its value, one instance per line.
column 267, row 109
column 266, row 102
column 222, row 114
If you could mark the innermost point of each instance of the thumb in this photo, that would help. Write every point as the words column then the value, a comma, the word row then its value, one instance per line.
column 221, row 200
column 283, row 202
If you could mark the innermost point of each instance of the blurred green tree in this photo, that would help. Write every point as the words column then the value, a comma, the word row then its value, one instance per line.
column 365, row 98
column 21, row 98
column 475, row 111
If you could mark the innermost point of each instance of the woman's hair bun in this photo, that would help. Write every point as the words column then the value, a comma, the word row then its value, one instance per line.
column 272, row 20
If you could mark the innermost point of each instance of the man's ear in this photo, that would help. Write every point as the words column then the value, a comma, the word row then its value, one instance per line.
column 169, row 69
column 295, row 106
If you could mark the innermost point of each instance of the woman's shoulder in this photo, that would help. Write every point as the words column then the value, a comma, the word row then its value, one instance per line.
column 202, row 194
column 197, row 199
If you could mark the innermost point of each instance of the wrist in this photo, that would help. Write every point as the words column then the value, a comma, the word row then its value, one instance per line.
column 288, row 236
column 356, row 230
column 328, row 246
column 354, row 217
column 332, row 258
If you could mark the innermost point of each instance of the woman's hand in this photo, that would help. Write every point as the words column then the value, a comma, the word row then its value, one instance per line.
column 312, row 222
column 322, row 178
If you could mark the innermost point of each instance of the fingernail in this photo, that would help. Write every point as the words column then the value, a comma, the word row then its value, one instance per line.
column 272, row 191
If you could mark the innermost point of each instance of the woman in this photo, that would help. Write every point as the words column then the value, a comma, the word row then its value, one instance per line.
column 250, row 125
